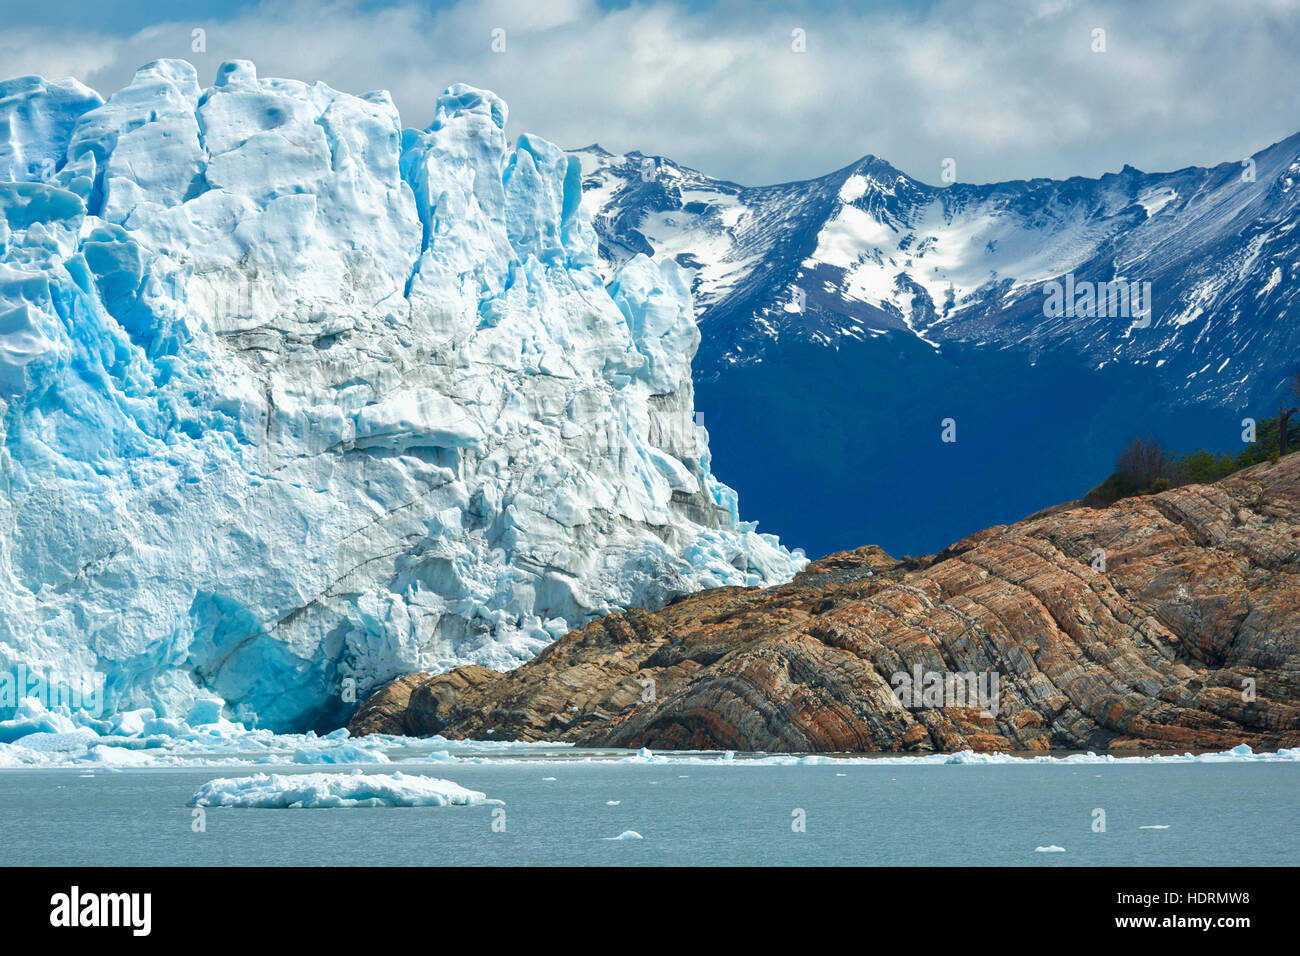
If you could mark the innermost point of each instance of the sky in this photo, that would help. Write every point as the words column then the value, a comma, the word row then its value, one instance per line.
column 755, row 93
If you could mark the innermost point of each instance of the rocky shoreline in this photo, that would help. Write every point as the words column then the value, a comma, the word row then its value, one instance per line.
column 1166, row 622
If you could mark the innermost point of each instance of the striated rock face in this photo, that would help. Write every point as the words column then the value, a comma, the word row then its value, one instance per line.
column 1166, row 622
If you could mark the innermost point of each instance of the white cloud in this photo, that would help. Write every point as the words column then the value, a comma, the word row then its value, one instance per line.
column 1009, row 88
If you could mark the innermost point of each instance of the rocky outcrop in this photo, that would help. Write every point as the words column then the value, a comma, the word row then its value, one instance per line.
column 384, row 710
column 1167, row 622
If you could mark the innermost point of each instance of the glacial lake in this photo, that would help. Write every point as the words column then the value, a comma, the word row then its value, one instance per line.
column 565, row 808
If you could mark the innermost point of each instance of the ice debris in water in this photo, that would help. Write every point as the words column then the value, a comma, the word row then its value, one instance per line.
column 52, row 738
column 40, row 737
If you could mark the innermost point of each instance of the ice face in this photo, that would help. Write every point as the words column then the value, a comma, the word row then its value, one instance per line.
column 293, row 400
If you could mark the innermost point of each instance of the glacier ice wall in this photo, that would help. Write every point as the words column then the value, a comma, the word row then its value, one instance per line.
column 290, row 395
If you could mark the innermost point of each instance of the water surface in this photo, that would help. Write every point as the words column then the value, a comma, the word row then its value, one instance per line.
column 855, row 813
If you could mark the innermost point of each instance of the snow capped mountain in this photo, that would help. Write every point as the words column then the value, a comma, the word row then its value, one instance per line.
column 799, row 287
column 868, row 249
column 293, row 398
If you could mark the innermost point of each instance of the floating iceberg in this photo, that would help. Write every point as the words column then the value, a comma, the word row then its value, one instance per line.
column 329, row 790
column 627, row 835
column 294, row 400
column 349, row 753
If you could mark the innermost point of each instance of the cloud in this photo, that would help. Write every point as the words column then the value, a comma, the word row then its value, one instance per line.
column 1008, row 88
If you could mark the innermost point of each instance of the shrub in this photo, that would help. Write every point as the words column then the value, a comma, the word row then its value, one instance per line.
column 1144, row 467
column 1142, row 461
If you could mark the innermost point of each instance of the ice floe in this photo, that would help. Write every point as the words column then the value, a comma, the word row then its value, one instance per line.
column 332, row 790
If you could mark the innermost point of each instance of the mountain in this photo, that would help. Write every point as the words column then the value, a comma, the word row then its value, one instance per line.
column 845, row 318
column 1160, row 622
column 294, row 399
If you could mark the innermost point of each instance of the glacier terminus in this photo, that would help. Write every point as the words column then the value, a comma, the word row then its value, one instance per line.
column 294, row 399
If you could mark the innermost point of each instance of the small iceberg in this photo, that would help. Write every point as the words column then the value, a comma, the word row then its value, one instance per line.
column 644, row 755
column 612, row 803
column 1049, row 849
column 627, row 835
column 328, row 790
column 1156, row 826
column 341, row 753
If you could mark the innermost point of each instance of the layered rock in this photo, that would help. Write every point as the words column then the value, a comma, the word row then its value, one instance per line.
column 1158, row 623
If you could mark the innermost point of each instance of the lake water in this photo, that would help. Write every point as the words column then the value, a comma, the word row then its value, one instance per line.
column 687, row 811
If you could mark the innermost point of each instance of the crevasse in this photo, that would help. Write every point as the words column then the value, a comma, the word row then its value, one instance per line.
column 293, row 400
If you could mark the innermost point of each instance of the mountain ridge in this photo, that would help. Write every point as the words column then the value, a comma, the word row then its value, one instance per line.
column 865, row 307
column 595, row 148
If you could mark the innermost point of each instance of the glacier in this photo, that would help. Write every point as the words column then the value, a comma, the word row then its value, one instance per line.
column 294, row 399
